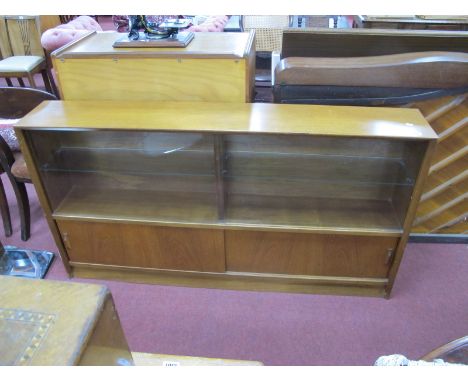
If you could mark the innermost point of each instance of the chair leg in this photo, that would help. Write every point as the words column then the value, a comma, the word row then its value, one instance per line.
column 23, row 205
column 32, row 83
column 8, row 81
column 52, row 83
column 21, row 82
column 46, row 80
column 5, row 211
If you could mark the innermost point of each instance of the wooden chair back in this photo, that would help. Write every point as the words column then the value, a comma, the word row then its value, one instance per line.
column 24, row 35
column 268, row 30
column 5, row 48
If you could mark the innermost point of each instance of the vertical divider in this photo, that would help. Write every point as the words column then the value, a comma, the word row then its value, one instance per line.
column 219, row 153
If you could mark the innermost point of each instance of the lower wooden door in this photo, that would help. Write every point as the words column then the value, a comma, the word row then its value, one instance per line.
column 144, row 246
column 309, row 254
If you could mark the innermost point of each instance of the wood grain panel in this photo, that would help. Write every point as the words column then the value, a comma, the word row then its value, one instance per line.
column 452, row 173
column 437, row 107
column 144, row 246
column 450, row 117
column 457, row 226
column 444, row 217
column 162, row 79
column 451, row 148
column 302, row 254
column 443, row 203
column 450, row 194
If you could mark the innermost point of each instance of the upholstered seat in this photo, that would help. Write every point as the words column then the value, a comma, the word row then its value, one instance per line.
column 20, row 63
column 16, row 103
column 27, row 66
column 19, row 169
column 21, row 52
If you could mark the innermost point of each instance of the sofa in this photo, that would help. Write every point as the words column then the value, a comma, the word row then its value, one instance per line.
column 57, row 37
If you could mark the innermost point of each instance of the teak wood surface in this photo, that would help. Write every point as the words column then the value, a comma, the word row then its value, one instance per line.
column 231, row 118
column 353, row 245
column 59, row 324
column 144, row 246
column 306, row 254
column 213, row 67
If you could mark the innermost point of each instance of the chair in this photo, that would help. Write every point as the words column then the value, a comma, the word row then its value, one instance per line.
column 23, row 55
column 16, row 103
column 453, row 352
column 268, row 39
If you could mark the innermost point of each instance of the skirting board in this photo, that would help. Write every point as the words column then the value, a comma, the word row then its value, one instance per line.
column 438, row 238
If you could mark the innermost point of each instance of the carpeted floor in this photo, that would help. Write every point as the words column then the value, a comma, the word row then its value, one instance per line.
column 429, row 307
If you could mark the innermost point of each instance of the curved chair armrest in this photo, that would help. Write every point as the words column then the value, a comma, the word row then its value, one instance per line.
column 455, row 351
column 406, row 70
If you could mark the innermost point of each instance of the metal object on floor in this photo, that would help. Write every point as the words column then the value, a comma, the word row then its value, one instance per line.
column 27, row 263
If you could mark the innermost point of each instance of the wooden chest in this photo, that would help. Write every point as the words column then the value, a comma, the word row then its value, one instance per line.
column 213, row 67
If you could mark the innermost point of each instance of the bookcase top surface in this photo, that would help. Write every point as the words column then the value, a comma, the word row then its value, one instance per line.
column 257, row 118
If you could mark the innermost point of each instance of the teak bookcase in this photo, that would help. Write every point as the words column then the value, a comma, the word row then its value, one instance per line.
column 295, row 198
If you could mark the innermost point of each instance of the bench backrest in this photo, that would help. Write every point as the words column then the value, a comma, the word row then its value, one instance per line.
column 324, row 42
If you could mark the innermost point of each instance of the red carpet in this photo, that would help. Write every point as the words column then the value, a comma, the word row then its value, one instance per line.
column 429, row 307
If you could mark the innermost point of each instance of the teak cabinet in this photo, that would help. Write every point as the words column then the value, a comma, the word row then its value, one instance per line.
column 215, row 66
column 293, row 198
